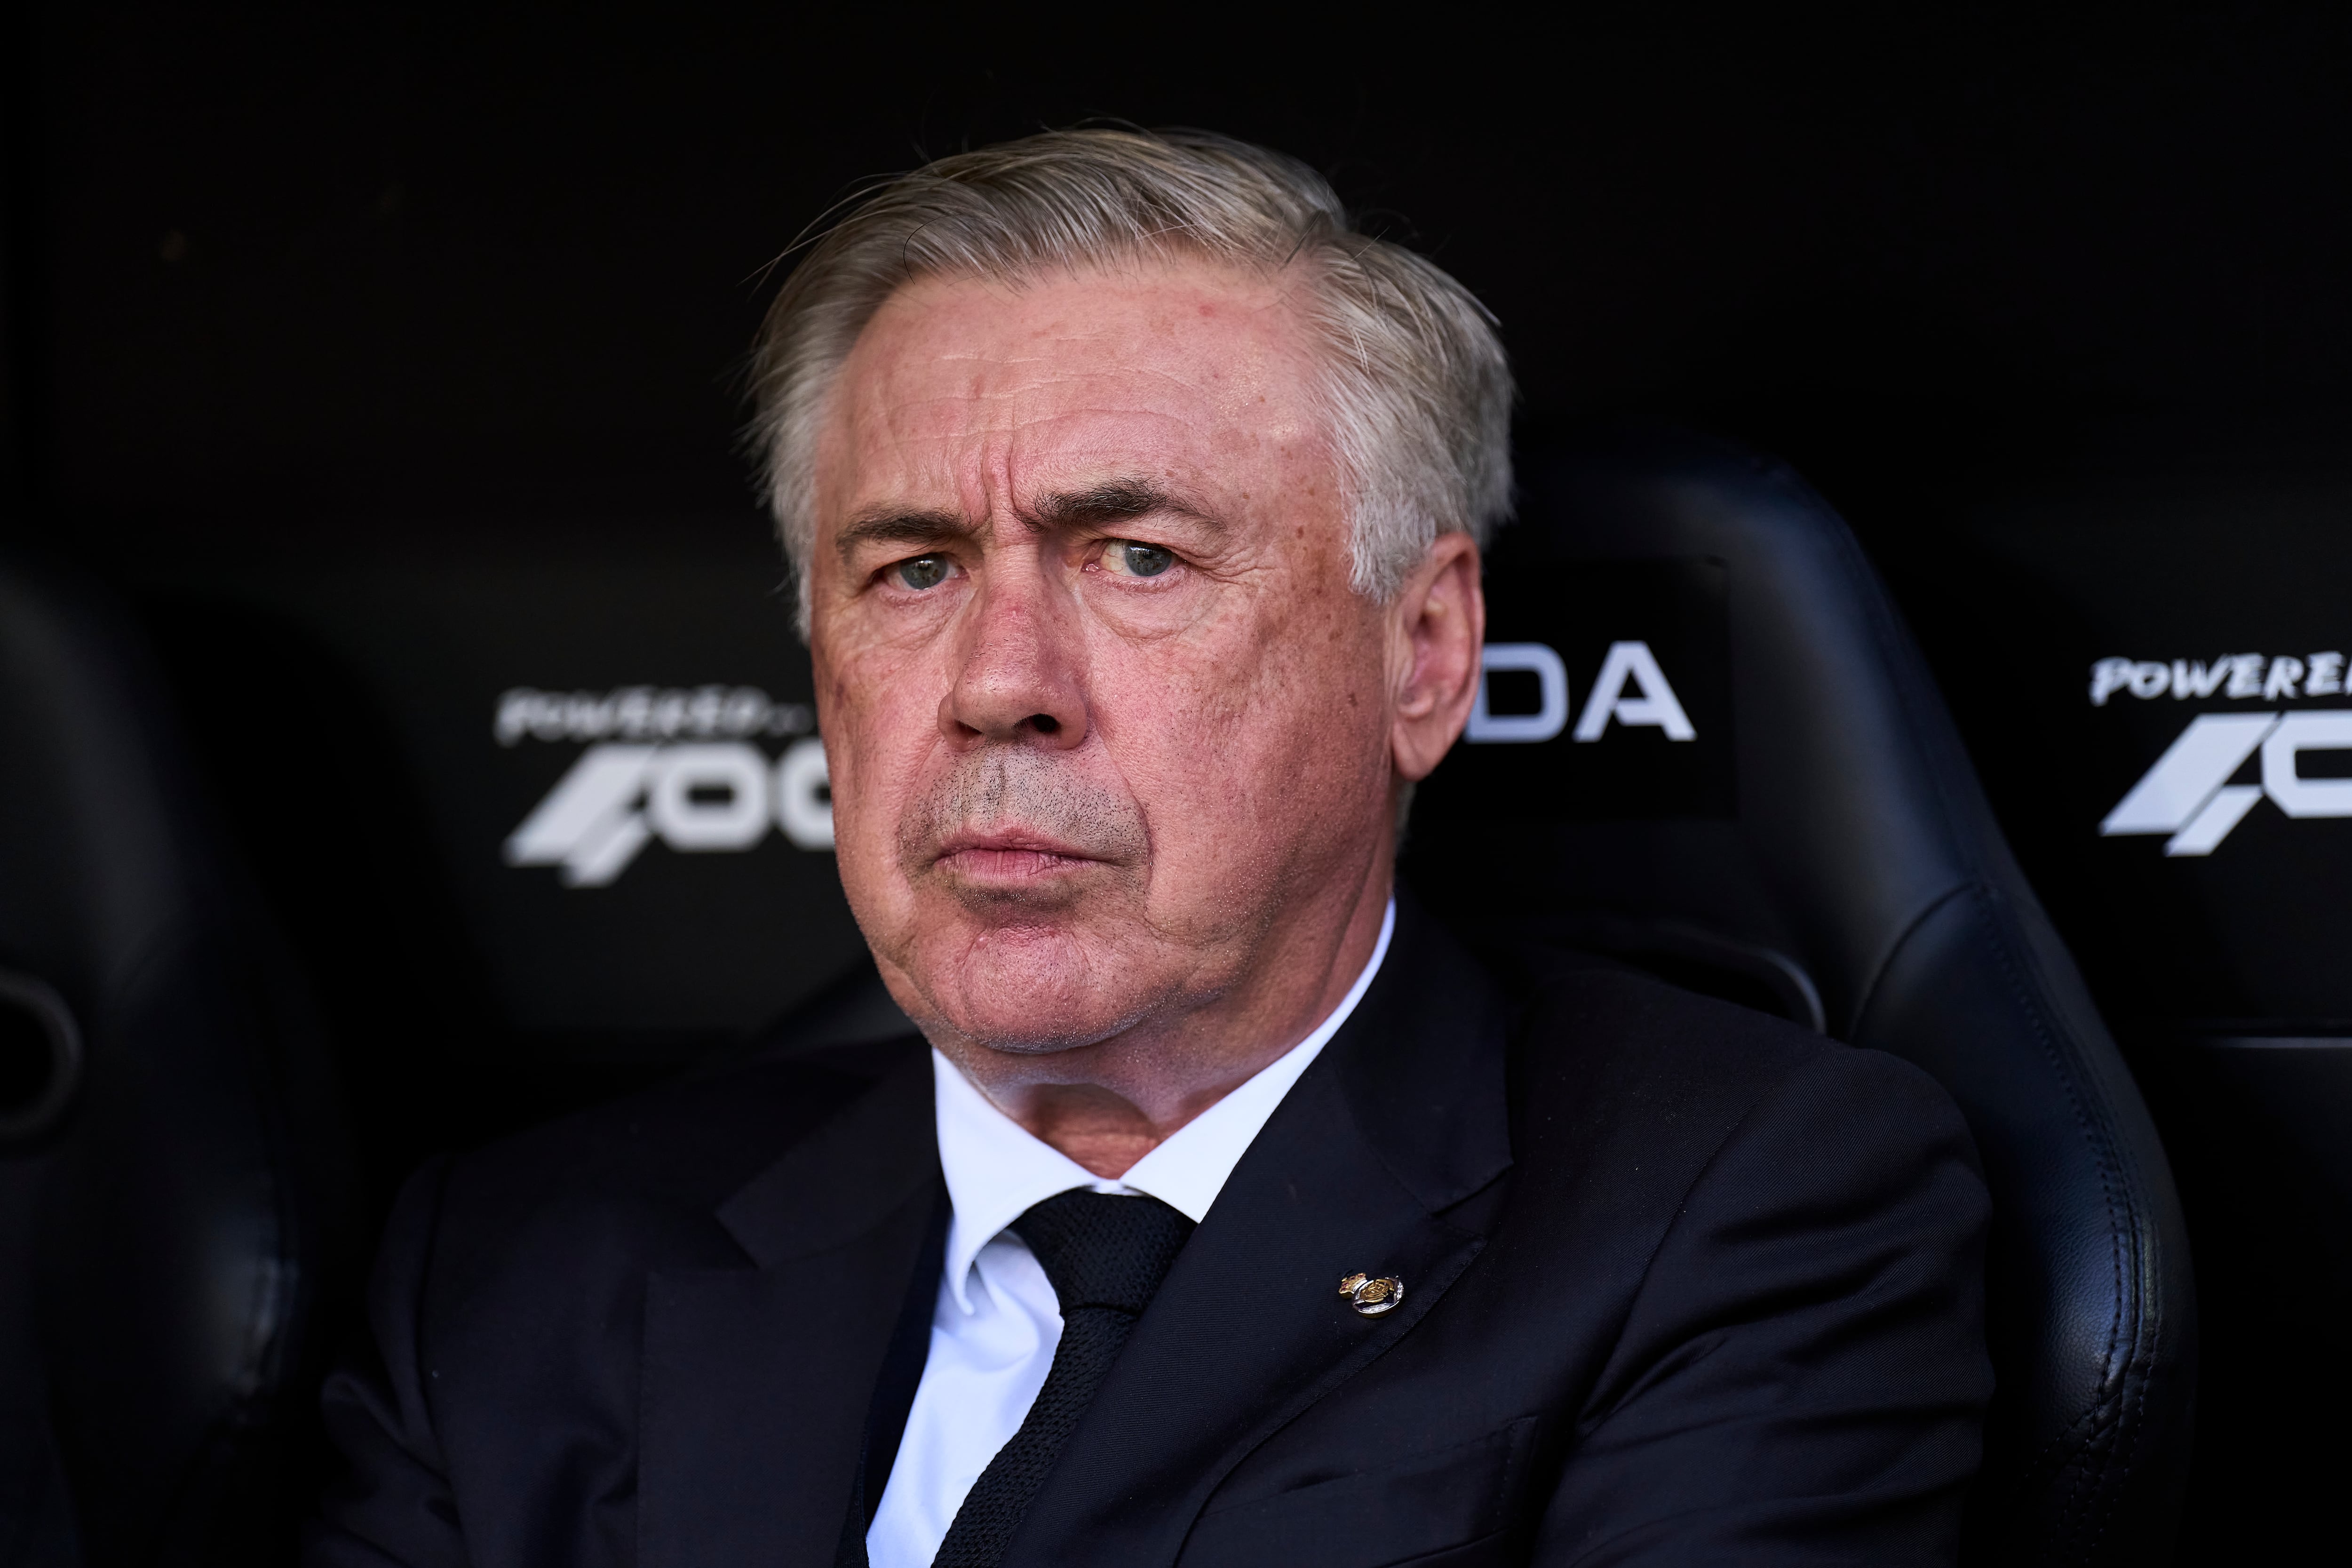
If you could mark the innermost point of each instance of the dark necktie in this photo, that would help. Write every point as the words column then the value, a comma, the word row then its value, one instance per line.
column 1106, row 1256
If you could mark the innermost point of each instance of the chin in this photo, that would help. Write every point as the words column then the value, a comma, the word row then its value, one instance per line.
column 1027, row 989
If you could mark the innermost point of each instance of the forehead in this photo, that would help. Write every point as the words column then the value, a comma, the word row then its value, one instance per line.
column 967, row 381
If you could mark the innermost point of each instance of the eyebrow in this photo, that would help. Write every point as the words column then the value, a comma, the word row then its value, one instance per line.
column 1113, row 500
column 887, row 527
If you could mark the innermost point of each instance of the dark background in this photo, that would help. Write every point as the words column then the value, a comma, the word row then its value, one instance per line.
column 317, row 320
column 316, row 265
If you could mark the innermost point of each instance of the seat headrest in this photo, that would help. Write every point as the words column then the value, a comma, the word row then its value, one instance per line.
column 1789, row 814
column 2166, row 717
column 569, row 787
column 105, row 858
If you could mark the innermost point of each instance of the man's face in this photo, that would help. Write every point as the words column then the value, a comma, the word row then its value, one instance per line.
column 1102, row 712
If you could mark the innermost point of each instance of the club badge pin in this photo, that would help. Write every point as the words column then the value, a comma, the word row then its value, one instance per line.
column 1371, row 1296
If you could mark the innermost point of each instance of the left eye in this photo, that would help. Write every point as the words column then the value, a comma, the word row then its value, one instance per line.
column 921, row 572
column 1133, row 558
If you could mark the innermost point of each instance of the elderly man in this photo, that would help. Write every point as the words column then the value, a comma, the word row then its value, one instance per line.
column 1224, row 1211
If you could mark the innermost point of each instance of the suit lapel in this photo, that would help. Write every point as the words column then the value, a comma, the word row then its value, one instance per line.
column 1402, row 1118
column 756, row 1380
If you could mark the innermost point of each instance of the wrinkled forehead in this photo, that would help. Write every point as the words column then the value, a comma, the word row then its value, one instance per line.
column 978, row 392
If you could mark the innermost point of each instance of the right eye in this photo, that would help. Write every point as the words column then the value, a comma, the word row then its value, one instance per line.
column 921, row 572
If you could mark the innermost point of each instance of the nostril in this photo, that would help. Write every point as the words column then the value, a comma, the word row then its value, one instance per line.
column 1044, row 723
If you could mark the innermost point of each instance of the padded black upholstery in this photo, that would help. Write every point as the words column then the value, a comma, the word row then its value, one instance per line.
column 164, row 1234
column 1819, row 843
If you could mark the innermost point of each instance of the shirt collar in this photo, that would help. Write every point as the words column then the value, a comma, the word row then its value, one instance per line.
column 996, row 1171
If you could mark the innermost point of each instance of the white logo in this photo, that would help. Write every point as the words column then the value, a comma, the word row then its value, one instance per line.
column 696, row 798
column 2188, row 793
column 1626, row 663
column 2239, row 677
column 706, row 791
column 646, row 714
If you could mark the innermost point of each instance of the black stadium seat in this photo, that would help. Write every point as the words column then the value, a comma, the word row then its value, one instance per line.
column 2154, row 683
column 1707, row 745
column 538, row 822
column 172, row 1191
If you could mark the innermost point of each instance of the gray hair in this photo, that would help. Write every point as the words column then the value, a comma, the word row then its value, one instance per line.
column 1417, row 391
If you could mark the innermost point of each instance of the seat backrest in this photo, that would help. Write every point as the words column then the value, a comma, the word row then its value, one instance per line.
column 170, row 1177
column 1705, row 743
column 2159, row 704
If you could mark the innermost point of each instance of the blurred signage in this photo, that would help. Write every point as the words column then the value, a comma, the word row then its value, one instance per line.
column 700, row 787
column 2224, row 765
column 1627, row 665
column 575, row 830
column 1605, row 694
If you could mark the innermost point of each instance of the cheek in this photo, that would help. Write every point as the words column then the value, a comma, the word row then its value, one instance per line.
column 1276, row 736
column 875, row 722
column 1318, row 696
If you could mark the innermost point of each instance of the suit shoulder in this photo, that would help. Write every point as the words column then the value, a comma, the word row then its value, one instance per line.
column 666, row 1156
column 1609, row 1047
column 1598, row 1012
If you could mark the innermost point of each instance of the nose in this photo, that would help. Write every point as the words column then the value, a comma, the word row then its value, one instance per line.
column 1019, row 671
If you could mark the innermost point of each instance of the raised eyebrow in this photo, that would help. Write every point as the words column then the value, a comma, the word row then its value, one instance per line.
column 899, row 528
column 1115, row 500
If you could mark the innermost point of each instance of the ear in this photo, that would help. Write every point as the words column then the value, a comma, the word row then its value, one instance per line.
column 1439, row 628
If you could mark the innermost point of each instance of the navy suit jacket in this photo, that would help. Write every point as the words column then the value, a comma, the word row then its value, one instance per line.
column 1684, row 1284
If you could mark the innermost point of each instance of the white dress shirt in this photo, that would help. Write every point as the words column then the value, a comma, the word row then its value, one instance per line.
column 998, row 1321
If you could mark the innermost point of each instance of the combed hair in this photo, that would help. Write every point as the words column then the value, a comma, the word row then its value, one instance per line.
column 1416, row 389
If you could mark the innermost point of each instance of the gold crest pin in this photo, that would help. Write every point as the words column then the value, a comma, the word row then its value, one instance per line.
column 1373, row 1297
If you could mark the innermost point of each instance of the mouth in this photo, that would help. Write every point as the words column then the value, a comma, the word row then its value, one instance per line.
column 1010, row 858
